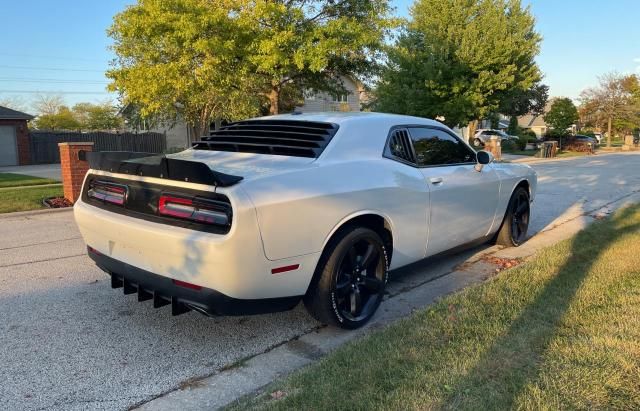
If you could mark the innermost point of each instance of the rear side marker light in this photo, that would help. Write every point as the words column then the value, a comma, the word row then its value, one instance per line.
column 284, row 269
column 185, row 284
column 108, row 192
column 193, row 208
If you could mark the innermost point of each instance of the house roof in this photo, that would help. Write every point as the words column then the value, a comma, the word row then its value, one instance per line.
column 9, row 114
column 531, row 121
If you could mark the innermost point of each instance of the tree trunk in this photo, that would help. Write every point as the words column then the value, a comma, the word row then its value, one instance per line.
column 274, row 100
column 471, row 128
column 609, row 132
column 218, row 123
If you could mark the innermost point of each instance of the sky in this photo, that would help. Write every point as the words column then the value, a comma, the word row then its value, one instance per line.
column 61, row 47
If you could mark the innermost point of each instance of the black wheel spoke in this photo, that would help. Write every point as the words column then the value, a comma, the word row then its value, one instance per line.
column 521, row 209
column 372, row 284
column 353, row 257
column 343, row 286
column 355, row 302
column 369, row 255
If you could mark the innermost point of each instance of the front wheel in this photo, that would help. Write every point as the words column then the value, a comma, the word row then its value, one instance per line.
column 350, row 279
column 514, row 227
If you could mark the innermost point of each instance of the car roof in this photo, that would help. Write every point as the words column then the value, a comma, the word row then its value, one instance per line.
column 354, row 117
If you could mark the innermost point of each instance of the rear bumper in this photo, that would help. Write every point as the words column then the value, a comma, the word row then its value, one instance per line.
column 163, row 291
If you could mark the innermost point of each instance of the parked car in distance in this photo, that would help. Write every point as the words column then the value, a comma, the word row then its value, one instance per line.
column 598, row 137
column 268, row 212
column 482, row 136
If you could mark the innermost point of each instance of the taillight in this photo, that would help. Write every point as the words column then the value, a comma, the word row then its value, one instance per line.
column 108, row 192
column 195, row 209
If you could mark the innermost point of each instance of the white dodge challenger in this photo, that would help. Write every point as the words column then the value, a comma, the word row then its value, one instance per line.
column 268, row 212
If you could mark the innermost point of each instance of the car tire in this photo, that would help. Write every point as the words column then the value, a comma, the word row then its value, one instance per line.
column 477, row 142
column 347, row 290
column 513, row 231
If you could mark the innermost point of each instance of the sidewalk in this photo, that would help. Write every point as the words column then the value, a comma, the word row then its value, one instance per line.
column 51, row 171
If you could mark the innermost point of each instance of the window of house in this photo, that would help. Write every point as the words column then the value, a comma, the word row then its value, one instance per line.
column 435, row 147
column 340, row 98
column 309, row 95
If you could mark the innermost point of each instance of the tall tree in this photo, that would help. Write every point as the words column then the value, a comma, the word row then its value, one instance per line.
column 225, row 59
column 184, row 59
column 562, row 114
column 310, row 44
column 616, row 101
column 460, row 59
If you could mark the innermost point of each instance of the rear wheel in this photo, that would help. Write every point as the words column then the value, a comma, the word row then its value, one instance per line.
column 350, row 279
column 516, row 220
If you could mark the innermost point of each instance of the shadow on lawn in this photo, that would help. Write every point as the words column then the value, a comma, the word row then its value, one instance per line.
column 514, row 359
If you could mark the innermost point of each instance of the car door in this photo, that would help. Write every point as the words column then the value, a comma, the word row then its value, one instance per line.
column 463, row 201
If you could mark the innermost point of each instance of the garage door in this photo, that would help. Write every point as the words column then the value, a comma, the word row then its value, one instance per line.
column 8, row 149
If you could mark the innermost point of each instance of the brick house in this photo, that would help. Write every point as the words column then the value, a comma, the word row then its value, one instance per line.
column 14, row 137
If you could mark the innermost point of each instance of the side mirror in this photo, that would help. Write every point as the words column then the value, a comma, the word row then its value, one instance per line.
column 483, row 158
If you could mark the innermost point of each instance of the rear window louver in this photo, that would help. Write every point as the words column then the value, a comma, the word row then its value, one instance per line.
column 276, row 137
column 400, row 145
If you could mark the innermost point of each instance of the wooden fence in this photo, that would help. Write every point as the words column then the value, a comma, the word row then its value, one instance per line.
column 44, row 144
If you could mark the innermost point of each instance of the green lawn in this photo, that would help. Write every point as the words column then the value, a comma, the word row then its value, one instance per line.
column 561, row 331
column 23, row 199
column 17, row 180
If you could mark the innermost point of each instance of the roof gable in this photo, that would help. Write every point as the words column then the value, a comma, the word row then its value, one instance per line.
column 10, row 114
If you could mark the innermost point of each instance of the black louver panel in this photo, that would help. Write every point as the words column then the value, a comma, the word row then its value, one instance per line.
column 400, row 145
column 277, row 137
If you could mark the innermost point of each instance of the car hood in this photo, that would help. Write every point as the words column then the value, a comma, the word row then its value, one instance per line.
column 247, row 165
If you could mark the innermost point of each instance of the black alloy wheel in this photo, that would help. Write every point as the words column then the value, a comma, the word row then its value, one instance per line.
column 360, row 280
column 520, row 218
column 350, row 279
column 513, row 231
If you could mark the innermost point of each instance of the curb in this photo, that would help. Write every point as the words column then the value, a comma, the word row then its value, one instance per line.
column 18, row 214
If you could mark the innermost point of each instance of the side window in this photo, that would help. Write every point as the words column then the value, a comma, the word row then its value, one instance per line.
column 435, row 147
column 399, row 145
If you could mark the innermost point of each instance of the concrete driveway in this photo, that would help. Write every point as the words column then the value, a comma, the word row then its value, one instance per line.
column 41, row 170
column 71, row 342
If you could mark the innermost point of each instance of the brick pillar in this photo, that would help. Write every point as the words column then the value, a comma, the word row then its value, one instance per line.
column 73, row 169
column 494, row 147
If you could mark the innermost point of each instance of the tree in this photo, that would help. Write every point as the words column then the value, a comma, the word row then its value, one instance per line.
column 48, row 104
column 184, row 59
column 306, row 44
column 562, row 114
column 62, row 119
column 14, row 103
column 460, row 59
column 208, row 60
column 102, row 116
column 616, row 101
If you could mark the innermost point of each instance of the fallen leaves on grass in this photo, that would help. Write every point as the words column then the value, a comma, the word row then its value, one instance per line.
column 501, row 263
column 276, row 395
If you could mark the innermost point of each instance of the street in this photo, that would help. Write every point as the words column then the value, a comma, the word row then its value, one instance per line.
column 71, row 342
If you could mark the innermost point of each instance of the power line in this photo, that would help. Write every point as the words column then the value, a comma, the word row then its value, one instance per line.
column 51, row 69
column 53, row 92
column 51, row 57
column 52, row 80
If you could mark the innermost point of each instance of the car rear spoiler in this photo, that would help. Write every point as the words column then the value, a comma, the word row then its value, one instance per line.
column 157, row 165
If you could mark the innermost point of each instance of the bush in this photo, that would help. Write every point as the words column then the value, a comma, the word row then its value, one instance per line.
column 526, row 136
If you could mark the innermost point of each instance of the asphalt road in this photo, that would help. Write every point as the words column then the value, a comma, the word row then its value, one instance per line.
column 71, row 342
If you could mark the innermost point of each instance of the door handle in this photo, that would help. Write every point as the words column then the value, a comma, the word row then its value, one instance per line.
column 436, row 180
